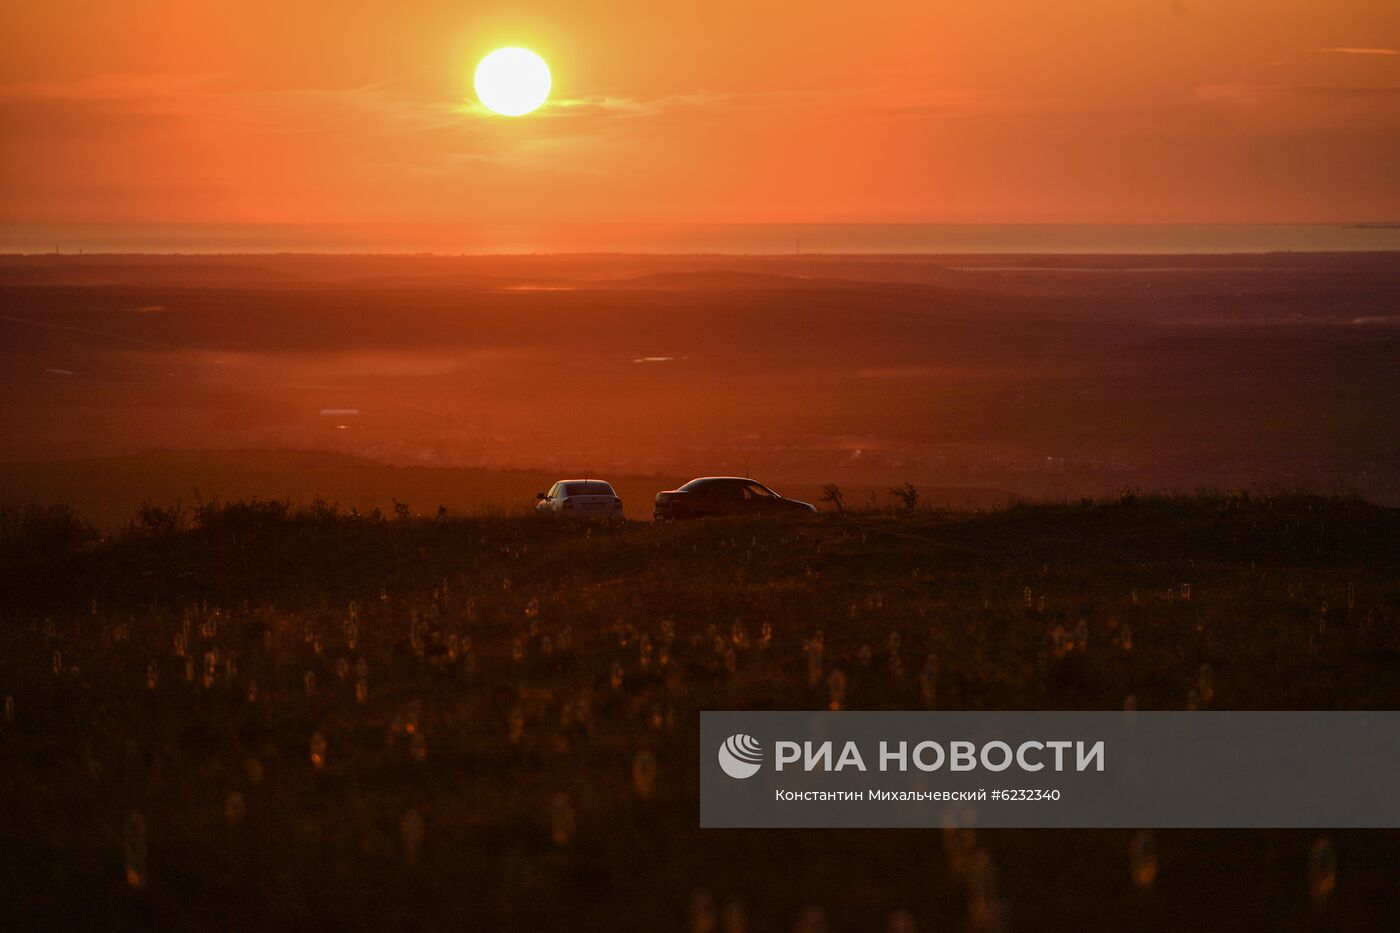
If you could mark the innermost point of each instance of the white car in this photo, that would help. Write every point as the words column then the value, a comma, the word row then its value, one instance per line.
column 580, row 498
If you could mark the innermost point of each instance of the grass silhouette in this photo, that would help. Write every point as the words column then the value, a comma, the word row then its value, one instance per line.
column 505, row 709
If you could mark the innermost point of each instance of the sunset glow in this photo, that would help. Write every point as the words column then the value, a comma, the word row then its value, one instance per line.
column 1090, row 111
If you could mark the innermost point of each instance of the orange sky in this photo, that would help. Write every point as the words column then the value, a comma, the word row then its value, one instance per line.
column 1000, row 111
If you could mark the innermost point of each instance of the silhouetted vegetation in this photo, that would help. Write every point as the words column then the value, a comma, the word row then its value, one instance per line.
column 907, row 495
column 313, row 717
column 832, row 493
column 37, row 533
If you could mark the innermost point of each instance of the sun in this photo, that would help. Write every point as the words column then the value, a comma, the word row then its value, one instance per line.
column 512, row 81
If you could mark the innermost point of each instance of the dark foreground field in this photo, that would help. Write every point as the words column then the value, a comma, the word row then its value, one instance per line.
column 325, row 722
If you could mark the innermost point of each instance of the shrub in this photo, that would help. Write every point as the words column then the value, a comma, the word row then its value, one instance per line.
column 907, row 494
column 42, row 532
column 832, row 493
column 158, row 521
column 240, row 520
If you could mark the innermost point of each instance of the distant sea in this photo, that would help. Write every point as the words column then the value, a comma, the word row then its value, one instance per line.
column 755, row 239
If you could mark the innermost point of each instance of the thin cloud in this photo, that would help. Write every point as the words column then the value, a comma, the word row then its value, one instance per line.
column 1309, row 107
column 609, row 106
column 1353, row 50
column 958, row 103
column 112, row 87
column 1247, row 93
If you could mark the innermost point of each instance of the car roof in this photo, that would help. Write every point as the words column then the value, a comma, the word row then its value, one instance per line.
column 594, row 480
column 712, row 479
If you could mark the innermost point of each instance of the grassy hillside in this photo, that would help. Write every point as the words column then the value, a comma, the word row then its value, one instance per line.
column 508, row 710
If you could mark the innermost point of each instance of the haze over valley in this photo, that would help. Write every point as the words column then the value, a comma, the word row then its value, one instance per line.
column 976, row 378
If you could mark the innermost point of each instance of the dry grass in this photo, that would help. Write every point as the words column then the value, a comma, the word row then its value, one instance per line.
column 523, row 679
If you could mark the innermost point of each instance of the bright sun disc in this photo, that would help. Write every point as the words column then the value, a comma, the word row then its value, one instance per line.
column 512, row 81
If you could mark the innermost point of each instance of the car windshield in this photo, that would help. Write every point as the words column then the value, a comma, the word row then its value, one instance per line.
column 755, row 491
column 587, row 489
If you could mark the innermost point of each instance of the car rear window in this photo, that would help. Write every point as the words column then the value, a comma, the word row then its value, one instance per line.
column 587, row 489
